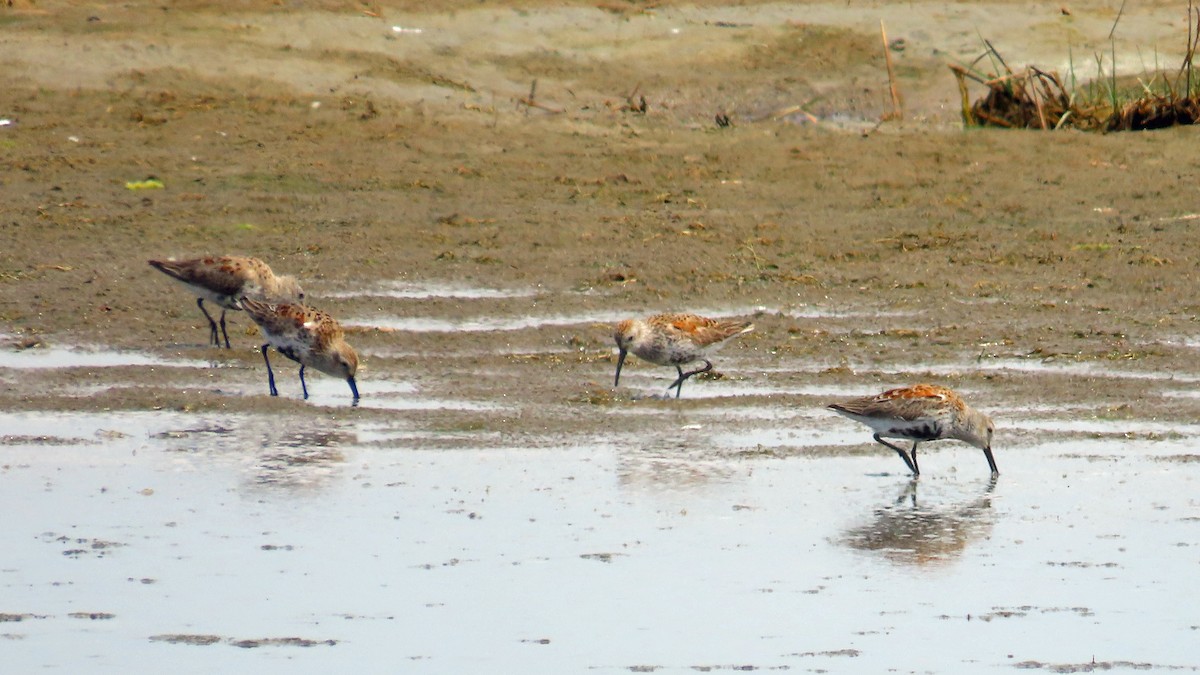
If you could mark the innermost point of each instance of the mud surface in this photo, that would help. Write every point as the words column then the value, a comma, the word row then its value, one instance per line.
column 478, row 250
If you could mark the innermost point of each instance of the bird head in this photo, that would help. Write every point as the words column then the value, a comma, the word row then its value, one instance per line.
column 624, row 336
column 287, row 289
column 978, row 429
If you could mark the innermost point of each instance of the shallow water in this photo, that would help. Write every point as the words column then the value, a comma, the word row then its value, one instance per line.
column 414, row 290
column 131, row 536
column 744, row 527
column 488, row 321
column 480, row 324
column 83, row 357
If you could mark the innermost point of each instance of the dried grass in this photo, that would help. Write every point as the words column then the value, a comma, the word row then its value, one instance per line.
column 1033, row 98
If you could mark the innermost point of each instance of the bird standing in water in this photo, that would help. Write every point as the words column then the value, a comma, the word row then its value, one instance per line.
column 308, row 337
column 920, row 413
column 223, row 280
column 675, row 340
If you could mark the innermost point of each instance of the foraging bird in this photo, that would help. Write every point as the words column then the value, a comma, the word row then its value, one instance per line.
column 308, row 337
column 225, row 279
column 920, row 413
column 675, row 340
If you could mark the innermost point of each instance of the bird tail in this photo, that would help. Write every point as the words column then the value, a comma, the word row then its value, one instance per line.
column 168, row 267
column 255, row 308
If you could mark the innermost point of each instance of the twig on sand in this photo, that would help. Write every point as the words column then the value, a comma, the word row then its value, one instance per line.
column 887, row 55
column 531, row 101
column 637, row 106
column 792, row 110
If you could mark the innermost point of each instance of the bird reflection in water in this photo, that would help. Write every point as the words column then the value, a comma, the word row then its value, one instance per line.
column 275, row 454
column 907, row 533
column 302, row 459
column 316, row 438
column 672, row 469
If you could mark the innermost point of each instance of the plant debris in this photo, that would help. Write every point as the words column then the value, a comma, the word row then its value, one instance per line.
column 1033, row 98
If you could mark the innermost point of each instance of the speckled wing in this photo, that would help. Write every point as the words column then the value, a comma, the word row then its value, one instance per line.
column 704, row 331
column 283, row 323
column 324, row 328
column 221, row 276
column 908, row 403
column 930, row 392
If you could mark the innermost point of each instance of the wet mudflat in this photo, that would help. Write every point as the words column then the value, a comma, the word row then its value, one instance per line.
column 741, row 527
column 493, row 504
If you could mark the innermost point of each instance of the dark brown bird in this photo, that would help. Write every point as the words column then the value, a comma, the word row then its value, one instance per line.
column 920, row 413
column 675, row 340
column 308, row 337
column 224, row 280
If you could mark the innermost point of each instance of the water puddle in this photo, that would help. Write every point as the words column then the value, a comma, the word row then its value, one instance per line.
column 518, row 354
column 641, row 386
column 123, row 431
column 384, row 401
column 419, row 324
column 84, row 357
column 795, row 437
column 1100, row 426
column 443, row 556
column 733, row 389
column 823, row 312
column 744, row 412
column 1025, row 366
column 328, row 392
column 1179, row 393
column 413, row 290
column 1050, row 367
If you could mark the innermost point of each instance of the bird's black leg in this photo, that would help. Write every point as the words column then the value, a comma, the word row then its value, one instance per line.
column 912, row 465
column 303, row 386
column 223, row 331
column 916, row 469
column 212, row 325
column 270, row 373
column 678, row 384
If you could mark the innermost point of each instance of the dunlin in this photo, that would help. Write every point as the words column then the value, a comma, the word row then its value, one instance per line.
column 920, row 413
column 308, row 337
column 675, row 340
column 225, row 279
